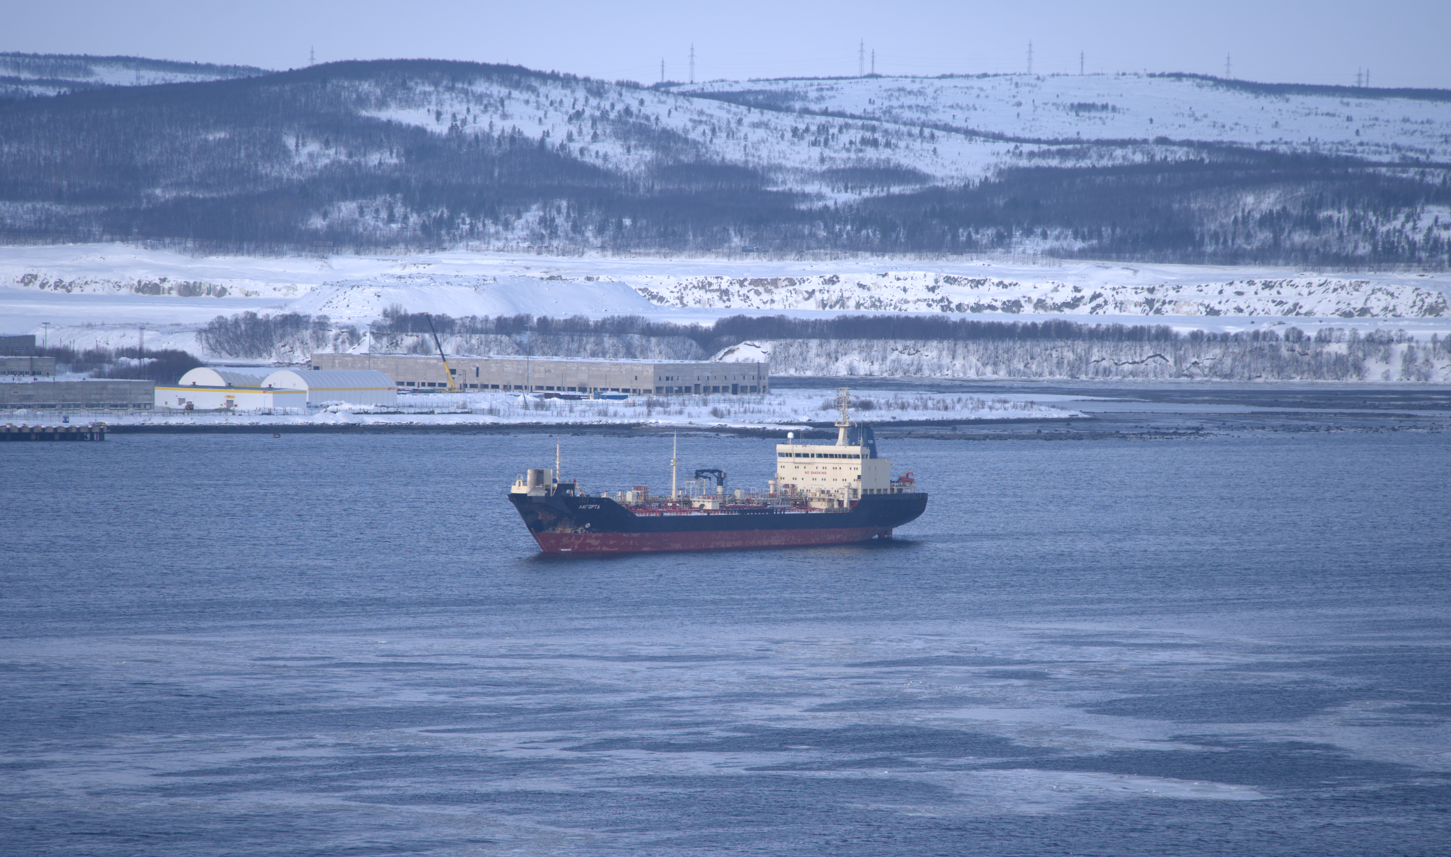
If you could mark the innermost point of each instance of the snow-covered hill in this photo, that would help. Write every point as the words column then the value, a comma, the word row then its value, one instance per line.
column 1363, row 123
column 445, row 155
column 944, row 129
column 462, row 295
column 844, row 141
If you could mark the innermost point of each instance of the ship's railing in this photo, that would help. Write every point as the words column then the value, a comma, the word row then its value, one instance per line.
column 655, row 511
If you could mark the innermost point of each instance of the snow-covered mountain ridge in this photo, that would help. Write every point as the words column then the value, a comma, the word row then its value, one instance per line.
column 1077, row 109
column 392, row 155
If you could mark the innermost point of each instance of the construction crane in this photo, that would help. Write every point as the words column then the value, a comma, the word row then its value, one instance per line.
column 452, row 387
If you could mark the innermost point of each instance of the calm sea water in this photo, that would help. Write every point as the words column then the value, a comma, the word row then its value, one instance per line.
column 329, row 644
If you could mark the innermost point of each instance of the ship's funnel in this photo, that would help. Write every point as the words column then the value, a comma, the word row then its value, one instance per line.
column 861, row 434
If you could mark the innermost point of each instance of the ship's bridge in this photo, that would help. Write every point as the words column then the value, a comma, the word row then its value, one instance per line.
column 848, row 469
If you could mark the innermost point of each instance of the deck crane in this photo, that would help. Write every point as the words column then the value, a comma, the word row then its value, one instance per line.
column 452, row 387
column 708, row 472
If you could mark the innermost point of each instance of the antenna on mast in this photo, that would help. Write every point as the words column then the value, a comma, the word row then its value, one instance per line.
column 556, row 462
column 674, row 464
column 843, row 422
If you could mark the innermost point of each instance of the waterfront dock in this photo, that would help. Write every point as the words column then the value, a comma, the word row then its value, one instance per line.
column 92, row 431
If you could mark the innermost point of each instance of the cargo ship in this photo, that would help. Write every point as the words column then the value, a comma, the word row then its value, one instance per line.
column 821, row 494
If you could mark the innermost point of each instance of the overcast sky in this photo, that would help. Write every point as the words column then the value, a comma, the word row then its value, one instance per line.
column 1402, row 43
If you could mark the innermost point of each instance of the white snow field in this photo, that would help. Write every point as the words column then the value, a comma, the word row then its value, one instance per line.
column 102, row 294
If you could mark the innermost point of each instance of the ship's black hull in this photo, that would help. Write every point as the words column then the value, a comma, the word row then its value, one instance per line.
column 563, row 523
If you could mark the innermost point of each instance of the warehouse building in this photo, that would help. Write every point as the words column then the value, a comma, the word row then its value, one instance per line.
column 354, row 386
column 208, row 389
column 558, row 374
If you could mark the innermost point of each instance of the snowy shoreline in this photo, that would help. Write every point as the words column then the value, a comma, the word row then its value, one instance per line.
column 797, row 409
column 815, row 431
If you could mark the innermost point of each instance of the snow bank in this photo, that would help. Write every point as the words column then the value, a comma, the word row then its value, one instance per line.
column 1072, row 291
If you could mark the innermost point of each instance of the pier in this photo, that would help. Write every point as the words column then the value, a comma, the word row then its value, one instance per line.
column 92, row 431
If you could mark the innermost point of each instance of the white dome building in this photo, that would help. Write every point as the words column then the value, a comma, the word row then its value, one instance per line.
column 207, row 389
column 205, row 376
column 354, row 386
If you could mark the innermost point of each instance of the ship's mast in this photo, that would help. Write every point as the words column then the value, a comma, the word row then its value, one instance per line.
column 556, row 462
column 844, row 421
column 674, row 464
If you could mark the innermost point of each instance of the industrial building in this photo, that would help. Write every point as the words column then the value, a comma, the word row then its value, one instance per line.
column 558, row 374
column 18, row 357
column 88, row 395
column 22, row 345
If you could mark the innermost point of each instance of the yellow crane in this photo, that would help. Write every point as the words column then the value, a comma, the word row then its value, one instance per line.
column 452, row 387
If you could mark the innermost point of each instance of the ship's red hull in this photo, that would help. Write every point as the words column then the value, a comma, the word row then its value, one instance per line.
column 689, row 541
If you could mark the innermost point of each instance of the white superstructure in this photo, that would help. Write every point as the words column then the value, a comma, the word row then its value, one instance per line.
column 838, row 473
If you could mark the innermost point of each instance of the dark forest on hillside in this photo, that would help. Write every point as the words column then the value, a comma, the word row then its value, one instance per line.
column 162, row 365
column 872, row 345
column 250, row 334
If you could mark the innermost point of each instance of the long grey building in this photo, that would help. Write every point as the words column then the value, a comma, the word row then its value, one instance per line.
column 89, row 395
column 559, row 374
